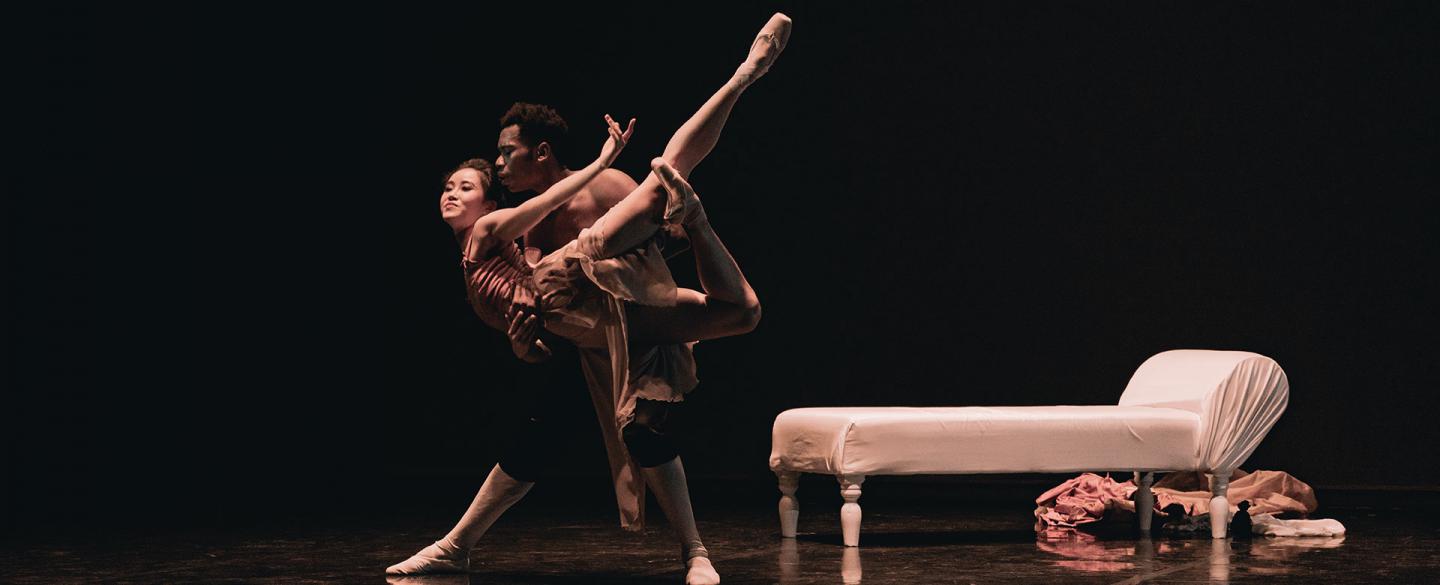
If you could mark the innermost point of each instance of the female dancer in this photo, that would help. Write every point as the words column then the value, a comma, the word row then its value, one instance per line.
column 610, row 288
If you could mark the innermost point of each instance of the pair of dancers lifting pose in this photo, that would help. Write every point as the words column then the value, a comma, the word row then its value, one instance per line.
column 609, row 288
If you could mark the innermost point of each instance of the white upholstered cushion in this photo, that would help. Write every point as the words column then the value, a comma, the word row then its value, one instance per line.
column 979, row 439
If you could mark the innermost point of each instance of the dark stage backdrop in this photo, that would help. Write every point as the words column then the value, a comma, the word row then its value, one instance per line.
column 228, row 287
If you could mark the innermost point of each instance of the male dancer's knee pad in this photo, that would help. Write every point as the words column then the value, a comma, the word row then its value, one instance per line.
column 648, row 446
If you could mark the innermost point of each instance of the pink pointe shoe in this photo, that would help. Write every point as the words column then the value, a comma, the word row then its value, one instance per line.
column 682, row 207
column 765, row 49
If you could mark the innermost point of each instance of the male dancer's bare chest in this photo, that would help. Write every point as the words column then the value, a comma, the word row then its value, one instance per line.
column 564, row 224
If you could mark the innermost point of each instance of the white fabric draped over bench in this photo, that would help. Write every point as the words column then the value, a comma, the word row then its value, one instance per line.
column 1238, row 395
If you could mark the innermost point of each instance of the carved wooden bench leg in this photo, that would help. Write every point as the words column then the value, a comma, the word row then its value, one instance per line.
column 1219, row 506
column 1144, row 499
column 850, row 511
column 789, row 506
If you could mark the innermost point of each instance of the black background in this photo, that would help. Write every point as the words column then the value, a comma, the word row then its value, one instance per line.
column 228, row 287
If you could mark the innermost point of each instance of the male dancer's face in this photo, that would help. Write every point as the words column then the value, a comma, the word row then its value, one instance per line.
column 516, row 166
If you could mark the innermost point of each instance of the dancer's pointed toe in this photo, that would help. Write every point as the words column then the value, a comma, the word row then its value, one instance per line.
column 438, row 558
column 682, row 207
column 777, row 29
column 765, row 49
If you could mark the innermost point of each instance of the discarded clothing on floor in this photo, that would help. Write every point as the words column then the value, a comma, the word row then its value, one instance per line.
column 1271, row 526
column 1269, row 492
column 1089, row 497
column 1082, row 500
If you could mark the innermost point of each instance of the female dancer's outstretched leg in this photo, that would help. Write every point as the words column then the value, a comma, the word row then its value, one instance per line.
column 728, row 306
column 636, row 217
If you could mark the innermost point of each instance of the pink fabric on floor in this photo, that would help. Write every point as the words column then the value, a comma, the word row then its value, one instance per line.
column 1269, row 492
column 1087, row 498
column 1082, row 500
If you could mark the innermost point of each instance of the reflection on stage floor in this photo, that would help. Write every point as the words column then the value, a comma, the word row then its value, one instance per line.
column 909, row 537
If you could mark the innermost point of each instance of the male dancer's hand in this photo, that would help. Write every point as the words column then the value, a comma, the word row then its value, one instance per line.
column 524, row 338
column 616, row 143
column 525, row 325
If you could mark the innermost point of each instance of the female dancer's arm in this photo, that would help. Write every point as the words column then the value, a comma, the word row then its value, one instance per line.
column 508, row 224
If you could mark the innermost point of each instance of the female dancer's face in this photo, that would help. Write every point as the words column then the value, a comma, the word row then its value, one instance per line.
column 463, row 200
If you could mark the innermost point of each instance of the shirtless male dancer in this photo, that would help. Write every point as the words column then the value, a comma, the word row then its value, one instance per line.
column 528, row 162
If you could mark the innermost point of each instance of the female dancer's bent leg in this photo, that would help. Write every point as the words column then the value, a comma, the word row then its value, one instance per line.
column 729, row 306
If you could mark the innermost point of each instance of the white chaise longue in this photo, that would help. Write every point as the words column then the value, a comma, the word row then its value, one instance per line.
column 1184, row 410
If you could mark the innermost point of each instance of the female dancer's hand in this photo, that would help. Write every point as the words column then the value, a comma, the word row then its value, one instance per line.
column 616, row 143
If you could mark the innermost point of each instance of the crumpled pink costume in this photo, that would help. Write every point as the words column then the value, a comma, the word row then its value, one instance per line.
column 1087, row 498
column 583, row 298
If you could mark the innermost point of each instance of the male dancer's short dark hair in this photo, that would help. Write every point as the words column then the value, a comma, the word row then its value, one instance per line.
column 538, row 123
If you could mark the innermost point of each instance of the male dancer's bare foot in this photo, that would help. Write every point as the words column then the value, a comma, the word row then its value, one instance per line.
column 442, row 557
column 763, row 51
column 683, row 205
column 700, row 572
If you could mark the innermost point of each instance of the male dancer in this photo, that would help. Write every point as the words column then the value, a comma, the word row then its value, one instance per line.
column 529, row 161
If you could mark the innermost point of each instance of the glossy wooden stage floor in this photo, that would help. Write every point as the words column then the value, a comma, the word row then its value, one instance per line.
column 914, row 532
